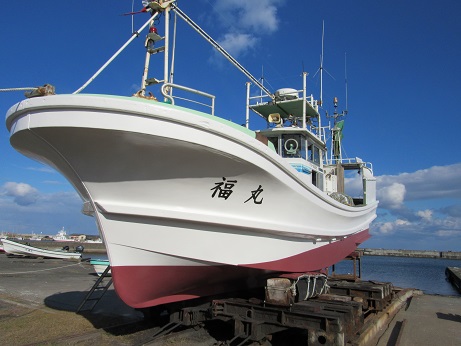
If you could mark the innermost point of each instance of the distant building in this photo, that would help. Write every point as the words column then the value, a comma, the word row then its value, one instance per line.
column 79, row 238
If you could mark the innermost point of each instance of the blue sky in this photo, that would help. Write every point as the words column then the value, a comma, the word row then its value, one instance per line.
column 404, row 88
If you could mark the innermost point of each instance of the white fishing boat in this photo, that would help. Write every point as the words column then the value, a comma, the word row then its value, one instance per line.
column 189, row 204
column 21, row 249
column 100, row 266
column 62, row 236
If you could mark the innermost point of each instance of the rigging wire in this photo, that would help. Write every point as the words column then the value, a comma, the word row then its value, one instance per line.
column 17, row 89
column 219, row 48
column 133, row 36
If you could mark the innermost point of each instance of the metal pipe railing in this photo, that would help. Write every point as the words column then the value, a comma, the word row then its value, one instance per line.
column 166, row 87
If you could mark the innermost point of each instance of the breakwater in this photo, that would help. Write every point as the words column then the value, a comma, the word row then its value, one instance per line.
column 413, row 253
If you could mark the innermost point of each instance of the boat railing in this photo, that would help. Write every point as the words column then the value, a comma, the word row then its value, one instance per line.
column 355, row 161
column 167, row 87
column 309, row 98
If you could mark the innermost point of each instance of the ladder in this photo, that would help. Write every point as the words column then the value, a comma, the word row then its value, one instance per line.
column 96, row 292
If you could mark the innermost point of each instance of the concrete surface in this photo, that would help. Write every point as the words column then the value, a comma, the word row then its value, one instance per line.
column 426, row 320
column 39, row 297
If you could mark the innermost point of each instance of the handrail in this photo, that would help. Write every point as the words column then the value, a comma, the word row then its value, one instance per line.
column 166, row 94
column 354, row 160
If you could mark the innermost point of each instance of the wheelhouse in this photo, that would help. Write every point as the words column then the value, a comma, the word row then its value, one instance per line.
column 295, row 130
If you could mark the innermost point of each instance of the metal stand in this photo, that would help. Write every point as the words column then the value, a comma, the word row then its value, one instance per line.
column 95, row 294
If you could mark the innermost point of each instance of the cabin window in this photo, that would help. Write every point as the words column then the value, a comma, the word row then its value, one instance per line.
column 303, row 147
column 313, row 154
column 317, row 179
column 316, row 155
column 275, row 142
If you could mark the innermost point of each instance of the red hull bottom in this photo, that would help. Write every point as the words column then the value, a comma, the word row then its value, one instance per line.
column 146, row 286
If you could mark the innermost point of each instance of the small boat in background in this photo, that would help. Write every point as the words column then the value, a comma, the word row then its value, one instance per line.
column 62, row 236
column 100, row 266
column 19, row 249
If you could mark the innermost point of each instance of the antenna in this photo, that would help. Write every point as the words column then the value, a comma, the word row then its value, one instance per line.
column 132, row 16
column 321, row 65
column 345, row 78
column 262, row 82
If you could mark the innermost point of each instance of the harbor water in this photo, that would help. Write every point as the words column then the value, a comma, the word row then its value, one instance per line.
column 425, row 274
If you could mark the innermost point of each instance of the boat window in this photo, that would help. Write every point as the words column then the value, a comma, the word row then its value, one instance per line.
column 294, row 145
column 316, row 158
column 317, row 179
column 303, row 147
column 275, row 142
column 313, row 153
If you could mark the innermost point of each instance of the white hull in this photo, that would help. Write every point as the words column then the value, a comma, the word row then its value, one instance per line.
column 149, row 171
column 18, row 249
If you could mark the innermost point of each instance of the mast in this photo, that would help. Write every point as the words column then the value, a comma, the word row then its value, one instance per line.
column 345, row 78
column 167, row 45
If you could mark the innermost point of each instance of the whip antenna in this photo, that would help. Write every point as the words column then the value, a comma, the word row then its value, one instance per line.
column 345, row 77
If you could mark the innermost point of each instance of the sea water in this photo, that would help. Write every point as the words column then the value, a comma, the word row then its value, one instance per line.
column 426, row 274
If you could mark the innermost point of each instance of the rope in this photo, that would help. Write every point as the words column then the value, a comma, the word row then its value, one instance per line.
column 18, row 89
column 40, row 270
column 311, row 292
column 44, row 90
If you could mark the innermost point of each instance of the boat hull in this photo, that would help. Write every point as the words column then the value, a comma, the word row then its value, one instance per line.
column 172, row 280
column 18, row 249
column 177, row 192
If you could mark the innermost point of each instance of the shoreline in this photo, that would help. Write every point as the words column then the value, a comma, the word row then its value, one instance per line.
column 99, row 248
column 456, row 255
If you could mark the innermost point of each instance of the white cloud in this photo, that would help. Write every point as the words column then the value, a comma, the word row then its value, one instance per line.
column 432, row 183
column 445, row 233
column 23, row 194
column 421, row 188
column 43, row 169
column 392, row 196
column 425, row 214
column 244, row 22
column 25, row 210
column 391, row 227
column 237, row 44
column 254, row 16
column 386, row 227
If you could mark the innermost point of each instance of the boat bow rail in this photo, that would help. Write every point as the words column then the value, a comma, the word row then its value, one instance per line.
column 167, row 88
